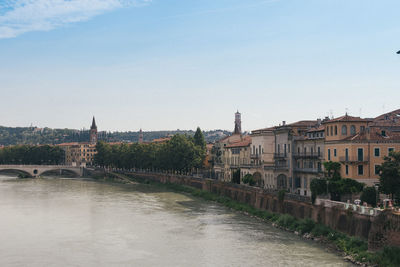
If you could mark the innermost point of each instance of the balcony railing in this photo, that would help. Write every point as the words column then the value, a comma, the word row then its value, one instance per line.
column 308, row 170
column 354, row 159
column 280, row 155
column 255, row 156
column 307, row 155
column 281, row 167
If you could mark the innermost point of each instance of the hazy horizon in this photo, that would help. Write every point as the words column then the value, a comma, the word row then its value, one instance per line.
column 178, row 65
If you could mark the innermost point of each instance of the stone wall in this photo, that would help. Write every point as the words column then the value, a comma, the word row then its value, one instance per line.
column 381, row 230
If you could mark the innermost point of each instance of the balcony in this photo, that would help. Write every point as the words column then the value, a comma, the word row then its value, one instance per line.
column 308, row 170
column 354, row 159
column 307, row 155
column 280, row 155
column 281, row 167
column 255, row 156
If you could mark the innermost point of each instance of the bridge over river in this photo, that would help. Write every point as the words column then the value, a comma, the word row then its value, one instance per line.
column 38, row 170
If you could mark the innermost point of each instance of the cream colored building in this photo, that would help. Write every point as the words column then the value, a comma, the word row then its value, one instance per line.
column 79, row 154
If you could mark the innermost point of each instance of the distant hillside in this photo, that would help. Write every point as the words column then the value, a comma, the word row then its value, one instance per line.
column 34, row 135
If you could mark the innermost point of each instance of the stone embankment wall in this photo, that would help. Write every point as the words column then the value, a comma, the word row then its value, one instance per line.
column 381, row 230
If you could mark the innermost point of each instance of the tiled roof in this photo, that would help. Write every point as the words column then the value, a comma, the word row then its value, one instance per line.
column 305, row 123
column 246, row 141
column 317, row 129
column 347, row 118
column 375, row 135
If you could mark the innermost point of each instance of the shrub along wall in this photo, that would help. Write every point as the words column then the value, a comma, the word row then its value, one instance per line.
column 382, row 230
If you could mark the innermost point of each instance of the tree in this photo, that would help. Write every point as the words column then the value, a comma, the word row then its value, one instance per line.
column 369, row 195
column 318, row 187
column 199, row 138
column 332, row 170
column 236, row 176
column 390, row 175
column 249, row 179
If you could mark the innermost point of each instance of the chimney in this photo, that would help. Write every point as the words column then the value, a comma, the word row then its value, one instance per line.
column 283, row 123
column 318, row 122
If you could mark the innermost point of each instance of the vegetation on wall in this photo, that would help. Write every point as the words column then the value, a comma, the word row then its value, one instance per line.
column 37, row 155
column 249, row 179
column 334, row 184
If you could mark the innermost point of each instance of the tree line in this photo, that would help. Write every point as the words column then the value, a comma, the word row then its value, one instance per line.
column 180, row 153
column 36, row 155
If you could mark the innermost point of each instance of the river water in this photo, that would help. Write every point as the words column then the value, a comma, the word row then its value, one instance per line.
column 75, row 222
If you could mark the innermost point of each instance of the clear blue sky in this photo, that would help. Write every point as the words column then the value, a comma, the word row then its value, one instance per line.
column 168, row 64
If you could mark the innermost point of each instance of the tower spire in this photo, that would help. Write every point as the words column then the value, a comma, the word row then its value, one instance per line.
column 93, row 124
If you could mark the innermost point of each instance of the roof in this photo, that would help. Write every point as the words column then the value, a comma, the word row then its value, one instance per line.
column 68, row 144
column 246, row 141
column 375, row 135
column 317, row 129
column 346, row 118
column 390, row 119
column 305, row 123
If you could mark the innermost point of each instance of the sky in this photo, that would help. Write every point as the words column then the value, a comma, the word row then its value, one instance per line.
column 169, row 64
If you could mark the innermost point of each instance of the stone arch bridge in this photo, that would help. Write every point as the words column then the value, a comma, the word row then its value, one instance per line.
column 38, row 170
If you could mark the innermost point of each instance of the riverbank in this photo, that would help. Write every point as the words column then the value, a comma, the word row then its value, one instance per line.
column 352, row 249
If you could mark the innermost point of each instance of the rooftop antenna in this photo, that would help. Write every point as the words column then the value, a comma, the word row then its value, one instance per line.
column 347, row 111
column 331, row 113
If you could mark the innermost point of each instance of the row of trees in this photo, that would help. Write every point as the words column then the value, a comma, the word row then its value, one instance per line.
column 26, row 154
column 181, row 153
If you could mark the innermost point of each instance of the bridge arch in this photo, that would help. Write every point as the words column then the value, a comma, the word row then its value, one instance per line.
column 16, row 171
column 74, row 171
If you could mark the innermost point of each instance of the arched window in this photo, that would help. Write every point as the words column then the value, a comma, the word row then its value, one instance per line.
column 327, row 130
column 344, row 130
column 352, row 130
column 331, row 130
column 335, row 129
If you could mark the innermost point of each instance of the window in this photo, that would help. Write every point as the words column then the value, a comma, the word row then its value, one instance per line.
column 360, row 154
column 347, row 169
column 352, row 130
column 327, row 131
column 279, row 149
column 344, row 130
column 259, row 149
column 305, row 182
column 288, row 148
column 376, row 169
column 319, row 150
column 331, row 130
column 334, row 152
column 362, row 128
column 360, row 169
column 329, row 154
column 310, row 164
column 335, row 129
column 377, row 152
column 390, row 149
column 305, row 150
column 319, row 166
column 298, row 150
column 284, row 148
column 312, row 151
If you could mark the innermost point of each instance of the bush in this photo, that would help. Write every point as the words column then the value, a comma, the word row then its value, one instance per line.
column 285, row 220
column 305, row 226
column 249, row 179
column 320, row 230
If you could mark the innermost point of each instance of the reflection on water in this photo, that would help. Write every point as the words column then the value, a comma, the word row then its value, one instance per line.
column 73, row 222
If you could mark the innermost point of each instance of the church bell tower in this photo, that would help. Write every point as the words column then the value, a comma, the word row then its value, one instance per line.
column 93, row 132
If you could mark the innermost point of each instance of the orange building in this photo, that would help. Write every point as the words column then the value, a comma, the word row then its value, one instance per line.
column 360, row 145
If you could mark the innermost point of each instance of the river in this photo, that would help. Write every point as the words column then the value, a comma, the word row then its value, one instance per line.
column 77, row 222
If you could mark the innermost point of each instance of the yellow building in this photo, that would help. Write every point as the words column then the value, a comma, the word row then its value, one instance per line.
column 79, row 154
column 359, row 147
